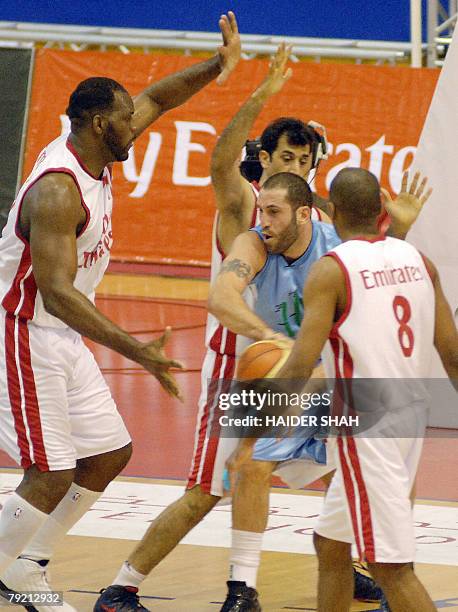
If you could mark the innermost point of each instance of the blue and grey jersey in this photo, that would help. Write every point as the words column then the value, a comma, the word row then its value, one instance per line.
column 279, row 285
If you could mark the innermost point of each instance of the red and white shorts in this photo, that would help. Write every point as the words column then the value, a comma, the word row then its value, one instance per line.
column 368, row 502
column 55, row 406
column 211, row 450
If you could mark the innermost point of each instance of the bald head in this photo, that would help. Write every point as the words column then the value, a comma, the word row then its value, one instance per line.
column 355, row 193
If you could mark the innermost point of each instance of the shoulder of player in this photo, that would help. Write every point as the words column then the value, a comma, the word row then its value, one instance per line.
column 53, row 195
column 326, row 272
column 236, row 198
column 327, row 230
column 430, row 267
column 250, row 240
column 249, row 247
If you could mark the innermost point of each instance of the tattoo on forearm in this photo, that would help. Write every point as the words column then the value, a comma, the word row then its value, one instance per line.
column 239, row 267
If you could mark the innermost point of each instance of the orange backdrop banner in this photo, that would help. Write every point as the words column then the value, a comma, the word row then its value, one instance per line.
column 164, row 203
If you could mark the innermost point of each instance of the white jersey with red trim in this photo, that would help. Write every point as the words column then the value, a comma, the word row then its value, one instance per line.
column 387, row 329
column 19, row 295
column 219, row 338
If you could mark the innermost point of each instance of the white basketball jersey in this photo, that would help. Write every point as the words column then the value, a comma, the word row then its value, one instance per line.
column 19, row 295
column 219, row 338
column 387, row 329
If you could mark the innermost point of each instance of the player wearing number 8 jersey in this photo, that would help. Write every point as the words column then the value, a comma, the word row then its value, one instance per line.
column 386, row 280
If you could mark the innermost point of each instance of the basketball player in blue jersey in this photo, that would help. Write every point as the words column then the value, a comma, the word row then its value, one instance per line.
column 57, row 417
column 275, row 258
column 375, row 330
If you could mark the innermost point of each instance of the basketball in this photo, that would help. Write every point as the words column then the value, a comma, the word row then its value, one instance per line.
column 262, row 359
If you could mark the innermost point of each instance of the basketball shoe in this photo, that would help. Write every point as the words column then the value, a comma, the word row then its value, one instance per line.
column 28, row 575
column 366, row 589
column 240, row 598
column 116, row 598
column 384, row 606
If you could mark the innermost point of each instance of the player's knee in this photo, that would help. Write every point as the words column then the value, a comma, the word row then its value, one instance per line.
column 330, row 552
column 45, row 490
column 123, row 456
column 255, row 472
column 388, row 573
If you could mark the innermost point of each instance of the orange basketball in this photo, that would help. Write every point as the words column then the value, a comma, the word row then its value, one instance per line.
column 262, row 359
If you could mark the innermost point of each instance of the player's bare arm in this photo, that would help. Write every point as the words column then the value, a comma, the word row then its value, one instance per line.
column 406, row 207
column 175, row 89
column 445, row 331
column 324, row 299
column 51, row 218
column 226, row 301
column 234, row 197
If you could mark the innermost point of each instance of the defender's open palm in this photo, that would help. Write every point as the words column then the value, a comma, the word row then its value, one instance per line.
column 229, row 52
column 154, row 360
column 406, row 207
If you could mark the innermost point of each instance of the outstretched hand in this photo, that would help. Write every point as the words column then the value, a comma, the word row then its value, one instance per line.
column 153, row 359
column 229, row 51
column 406, row 207
column 278, row 73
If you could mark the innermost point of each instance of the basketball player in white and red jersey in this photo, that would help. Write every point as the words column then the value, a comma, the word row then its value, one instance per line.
column 57, row 418
column 376, row 307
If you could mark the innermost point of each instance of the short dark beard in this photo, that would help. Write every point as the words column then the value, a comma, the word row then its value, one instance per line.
column 112, row 143
column 288, row 236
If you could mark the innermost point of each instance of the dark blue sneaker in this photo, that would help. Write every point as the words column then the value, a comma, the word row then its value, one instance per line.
column 116, row 598
column 240, row 598
column 384, row 607
column 366, row 589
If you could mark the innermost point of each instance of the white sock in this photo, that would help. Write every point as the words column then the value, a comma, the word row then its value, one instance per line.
column 19, row 521
column 128, row 576
column 245, row 556
column 71, row 508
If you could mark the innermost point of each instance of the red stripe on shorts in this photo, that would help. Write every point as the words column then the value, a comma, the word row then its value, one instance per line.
column 32, row 409
column 364, row 506
column 215, row 429
column 212, row 387
column 350, row 491
column 365, row 510
column 13, row 297
column 14, row 391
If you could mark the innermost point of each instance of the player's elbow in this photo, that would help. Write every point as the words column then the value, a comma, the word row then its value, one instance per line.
column 218, row 162
column 451, row 367
column 213, row 303
column 449, row 357
column 53, row 300
column 217, row 303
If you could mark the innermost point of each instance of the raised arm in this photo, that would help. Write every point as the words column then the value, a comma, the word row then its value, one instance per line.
column 51, row 216
column 234, row 196
column 226, row 302
column 175, row 89
column 445, row 332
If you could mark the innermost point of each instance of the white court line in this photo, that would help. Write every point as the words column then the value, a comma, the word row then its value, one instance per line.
column 126, row 509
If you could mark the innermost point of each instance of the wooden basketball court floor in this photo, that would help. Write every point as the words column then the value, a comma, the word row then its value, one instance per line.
column 193, row 577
